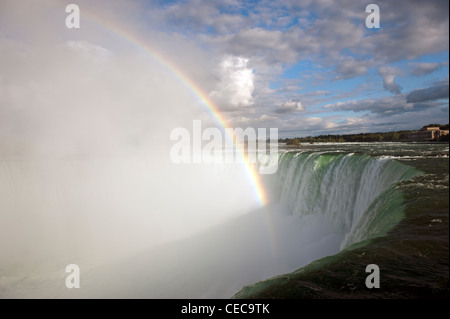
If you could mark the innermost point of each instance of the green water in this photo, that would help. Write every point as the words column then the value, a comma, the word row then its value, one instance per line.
column 404, row 231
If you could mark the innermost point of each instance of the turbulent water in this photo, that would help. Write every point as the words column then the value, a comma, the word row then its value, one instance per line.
column 392, row 201
column 359, row 204
column 342, row 188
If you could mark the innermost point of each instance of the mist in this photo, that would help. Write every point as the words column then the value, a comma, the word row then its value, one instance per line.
column 85, row 172
column 86, row 176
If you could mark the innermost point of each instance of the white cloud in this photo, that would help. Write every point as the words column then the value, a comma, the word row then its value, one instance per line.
column 236, row 85
column 389, row 74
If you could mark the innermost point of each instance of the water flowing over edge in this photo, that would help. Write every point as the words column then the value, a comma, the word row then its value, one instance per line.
column 357, row 193
column 362, row 195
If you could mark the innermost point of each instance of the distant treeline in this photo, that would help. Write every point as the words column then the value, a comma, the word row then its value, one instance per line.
column 396, row 136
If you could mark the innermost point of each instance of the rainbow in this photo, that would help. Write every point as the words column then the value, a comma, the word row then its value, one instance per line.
column 189, row 84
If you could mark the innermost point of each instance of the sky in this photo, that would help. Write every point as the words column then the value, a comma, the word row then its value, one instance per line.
column 304, row 67
column 86, row 113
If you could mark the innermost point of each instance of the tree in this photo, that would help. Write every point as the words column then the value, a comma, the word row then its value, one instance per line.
column 294, row 142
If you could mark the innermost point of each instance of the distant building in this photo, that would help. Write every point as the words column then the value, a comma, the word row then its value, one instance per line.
column 427, row 134
column 442, row 133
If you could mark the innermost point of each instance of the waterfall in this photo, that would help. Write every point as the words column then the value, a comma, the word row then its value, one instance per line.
column 347, row 190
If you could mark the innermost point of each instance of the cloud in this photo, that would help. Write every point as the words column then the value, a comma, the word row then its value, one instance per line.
column 350, row 68
column 236, row 83
column 269, row 32
column 318, row 93
column 436, row 92
column 272, row 37
column 409, row 30
column 389, row 74
column 271, row 45
column 385, row 106
column 195, row 14
column 229, row 23
column 290, row 106
column 424, row 68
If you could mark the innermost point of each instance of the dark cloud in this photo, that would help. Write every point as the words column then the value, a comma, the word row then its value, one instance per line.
column 386, row 106
column 424, row 68
column 290, row 106
column 436, row 92
column 273, row 46
column 351, row 68
column 376, row 105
